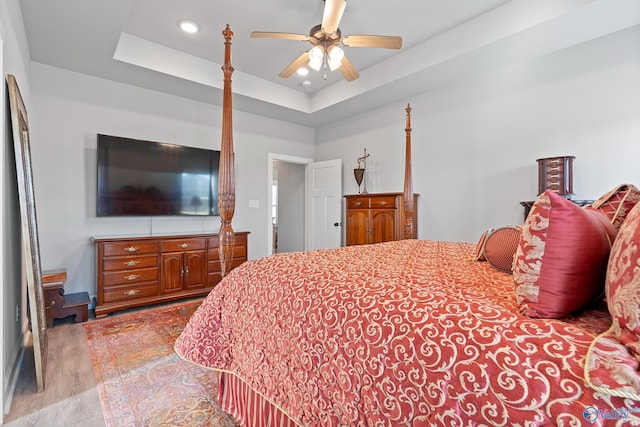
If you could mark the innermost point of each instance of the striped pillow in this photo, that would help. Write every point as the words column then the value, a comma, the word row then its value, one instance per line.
column 617, row 203
column 501, row 245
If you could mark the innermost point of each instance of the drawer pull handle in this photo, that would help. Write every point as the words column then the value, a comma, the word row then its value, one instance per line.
column 132, row 292
column 131, row 263
column 382, row 203
column 184, row 245
column 357, row 203
column 132, row 249
column 132, row 276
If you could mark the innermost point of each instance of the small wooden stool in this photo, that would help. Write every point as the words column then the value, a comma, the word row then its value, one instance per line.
column 57, row 304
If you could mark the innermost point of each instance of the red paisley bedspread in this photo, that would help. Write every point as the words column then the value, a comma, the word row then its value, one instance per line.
column 399, row 333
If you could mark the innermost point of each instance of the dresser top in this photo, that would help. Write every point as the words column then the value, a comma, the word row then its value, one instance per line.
column 377, row 195
column 147, row 236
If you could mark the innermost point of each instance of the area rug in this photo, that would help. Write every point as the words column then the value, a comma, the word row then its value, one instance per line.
column 141, row 381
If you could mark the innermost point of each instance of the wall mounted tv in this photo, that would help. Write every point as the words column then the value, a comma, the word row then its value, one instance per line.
column 144, row 178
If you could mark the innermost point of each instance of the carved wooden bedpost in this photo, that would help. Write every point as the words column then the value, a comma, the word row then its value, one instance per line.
column 226, row 174
column 409, row 230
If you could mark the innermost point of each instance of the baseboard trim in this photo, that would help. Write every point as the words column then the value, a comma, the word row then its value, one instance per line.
column 17, row 359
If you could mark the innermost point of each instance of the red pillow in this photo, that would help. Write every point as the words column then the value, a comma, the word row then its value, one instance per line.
column 561, row 261
column 617, row 203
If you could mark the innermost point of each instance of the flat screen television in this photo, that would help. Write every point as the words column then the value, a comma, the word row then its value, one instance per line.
column 144, row 178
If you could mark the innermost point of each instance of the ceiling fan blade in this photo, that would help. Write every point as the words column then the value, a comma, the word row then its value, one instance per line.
column 333, row 10
column 385, row 42
column 347, row 70
column 286, row 36
column 301, row 60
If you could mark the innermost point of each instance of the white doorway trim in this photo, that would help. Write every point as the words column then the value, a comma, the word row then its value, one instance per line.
column 271, row 157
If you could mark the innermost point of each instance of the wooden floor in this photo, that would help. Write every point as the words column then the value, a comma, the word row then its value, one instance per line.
column 70, row 397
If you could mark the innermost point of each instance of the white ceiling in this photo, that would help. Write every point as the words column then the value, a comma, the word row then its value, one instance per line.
column 138, row 42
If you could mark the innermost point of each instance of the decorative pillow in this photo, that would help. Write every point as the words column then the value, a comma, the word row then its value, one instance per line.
column 500, row 247
column 561, row 262
column 479, row 253
column 613, row 361
column 617, row 203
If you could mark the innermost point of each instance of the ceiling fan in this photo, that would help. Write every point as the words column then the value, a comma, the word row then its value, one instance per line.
column 325, row 39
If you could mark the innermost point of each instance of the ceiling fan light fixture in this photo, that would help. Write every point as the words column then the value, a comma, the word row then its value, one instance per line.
column 324, row 39
column 302, row 71
column 316, row 54
column 188, row 26
column 335, row 55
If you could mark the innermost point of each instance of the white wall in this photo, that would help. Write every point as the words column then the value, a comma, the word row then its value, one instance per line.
column 475, row 143
column 71, row 108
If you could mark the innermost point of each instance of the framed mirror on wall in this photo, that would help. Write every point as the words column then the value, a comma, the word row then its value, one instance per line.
column 29, row 225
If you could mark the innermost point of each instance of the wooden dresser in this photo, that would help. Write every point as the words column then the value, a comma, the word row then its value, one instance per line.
column 136, row 271
column 376, row 218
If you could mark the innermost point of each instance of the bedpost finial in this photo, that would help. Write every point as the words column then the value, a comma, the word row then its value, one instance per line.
column 227, row 33
column 408, row 109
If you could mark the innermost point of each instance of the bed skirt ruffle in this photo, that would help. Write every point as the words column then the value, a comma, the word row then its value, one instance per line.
column 248, row 407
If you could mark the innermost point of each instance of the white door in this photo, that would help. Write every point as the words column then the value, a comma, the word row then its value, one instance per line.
column 324, row 204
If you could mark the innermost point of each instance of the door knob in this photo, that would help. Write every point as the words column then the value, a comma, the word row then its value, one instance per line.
column 337, row 224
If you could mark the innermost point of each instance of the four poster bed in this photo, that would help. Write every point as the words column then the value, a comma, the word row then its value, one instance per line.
column 412, row 332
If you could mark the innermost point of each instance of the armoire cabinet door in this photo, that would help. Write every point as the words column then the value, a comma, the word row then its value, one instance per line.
column 383, row 225
column 358, row 226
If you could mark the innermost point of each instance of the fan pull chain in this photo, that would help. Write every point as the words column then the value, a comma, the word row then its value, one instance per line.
column 325, row 63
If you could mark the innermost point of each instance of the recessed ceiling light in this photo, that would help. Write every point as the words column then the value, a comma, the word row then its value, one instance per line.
column 188, row 26
column 302, row 71
column 306, row 83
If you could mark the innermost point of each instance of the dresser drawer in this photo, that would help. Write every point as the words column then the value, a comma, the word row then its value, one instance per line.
column 383, row 202
column 556, row 161
column 238, row 252
column 129, row 292
column 239, row 247
column 129, row 248
column 129, row 263
column 177, row 245
column 358, row 203
column 240, row 239
column 214, row 266
column 131, row 276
